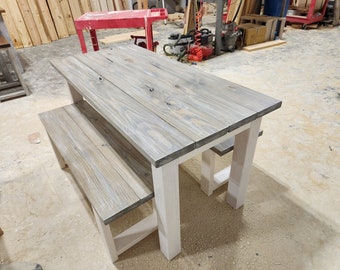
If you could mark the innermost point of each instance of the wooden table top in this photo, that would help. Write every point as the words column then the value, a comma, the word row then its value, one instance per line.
column 164, row 108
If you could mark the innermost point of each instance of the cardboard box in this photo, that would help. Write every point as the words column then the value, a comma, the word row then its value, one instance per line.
column 253, row 33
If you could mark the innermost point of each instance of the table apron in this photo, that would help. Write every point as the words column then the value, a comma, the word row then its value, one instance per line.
column 213, row 143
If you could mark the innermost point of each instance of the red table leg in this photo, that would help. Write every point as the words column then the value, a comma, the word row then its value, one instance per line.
column 94, row 40
column 148, row 35
column 82, row 40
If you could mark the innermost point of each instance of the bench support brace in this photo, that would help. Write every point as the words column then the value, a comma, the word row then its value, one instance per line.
column 128, row 238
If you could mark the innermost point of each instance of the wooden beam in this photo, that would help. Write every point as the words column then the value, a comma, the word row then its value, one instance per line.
column 58, row 18
column 336, row 19
column 68, row 18
column 190, row 15
column 45, row 38
column 103, row 5
column 8, row 25
column 14, row 10
column 29, row 22
column 45, row 16
column 95, row 5
column 264, row 45
column 85, row 6
column 75, row 9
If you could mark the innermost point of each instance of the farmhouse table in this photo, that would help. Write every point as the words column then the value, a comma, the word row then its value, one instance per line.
column 170, row 112
column 118, row 19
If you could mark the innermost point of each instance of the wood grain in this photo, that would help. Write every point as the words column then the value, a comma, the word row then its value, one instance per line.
column 217, row 105
column 227, row 146
column 126, row 151
column 13, row 9
column 68, row 18
column 108, row 182
column 46, row 17
column 38, row 21
column 164, row 108
column 58, row 18
column 158, row 141
column 29, row 22
column 180, row 107
column 204, row 84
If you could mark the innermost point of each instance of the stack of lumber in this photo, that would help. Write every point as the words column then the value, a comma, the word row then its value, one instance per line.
column 35, row 22
column 238, row 8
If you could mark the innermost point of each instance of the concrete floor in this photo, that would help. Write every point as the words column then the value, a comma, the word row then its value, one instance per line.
column 291, row 218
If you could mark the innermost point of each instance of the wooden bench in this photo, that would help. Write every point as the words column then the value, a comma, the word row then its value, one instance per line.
column 211, row 182
column 11, row 85
column 112, row 174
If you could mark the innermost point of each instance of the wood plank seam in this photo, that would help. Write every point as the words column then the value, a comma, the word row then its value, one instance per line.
column 92, row 160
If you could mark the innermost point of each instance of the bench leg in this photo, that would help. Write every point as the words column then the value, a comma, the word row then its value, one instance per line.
column 60, row 159
column 166, row 188
column 244, row 150
column 75, row 94
column 105, row 233
column 207, row 172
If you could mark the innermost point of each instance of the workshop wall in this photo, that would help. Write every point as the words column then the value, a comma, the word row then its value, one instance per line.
column 35, row 22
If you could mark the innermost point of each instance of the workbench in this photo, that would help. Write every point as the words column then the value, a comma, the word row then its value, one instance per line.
column 118, row 19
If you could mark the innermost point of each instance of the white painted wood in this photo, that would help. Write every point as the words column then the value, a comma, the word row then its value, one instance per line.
column 207, row 146
column 136, row 233
column 221, row 177
column 243, row 154
column 207, row 172
column 105, row 233
column 210, row 180
column 166, row 188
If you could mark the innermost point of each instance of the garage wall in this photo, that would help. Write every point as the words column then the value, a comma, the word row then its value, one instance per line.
column 35, row 22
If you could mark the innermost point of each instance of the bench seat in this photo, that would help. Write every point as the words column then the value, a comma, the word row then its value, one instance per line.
column 112, row 174
column 209, row 180
column 227, row 146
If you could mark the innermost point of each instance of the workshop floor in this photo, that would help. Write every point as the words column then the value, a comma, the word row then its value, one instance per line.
column 291, row 217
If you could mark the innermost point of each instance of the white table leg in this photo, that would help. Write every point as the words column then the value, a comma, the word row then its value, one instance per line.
column 244, row 149
column 207, row 171
column 166, row 188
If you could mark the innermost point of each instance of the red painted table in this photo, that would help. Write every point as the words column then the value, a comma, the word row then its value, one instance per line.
column 118, row 19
